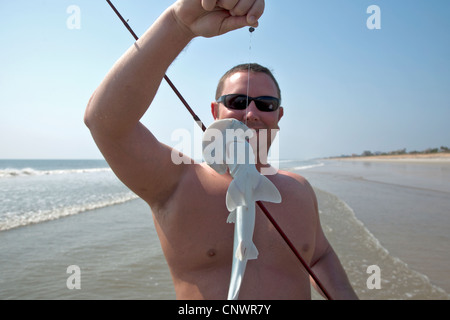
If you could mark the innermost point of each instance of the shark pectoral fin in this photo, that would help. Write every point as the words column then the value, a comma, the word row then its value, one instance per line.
column 235, row 197
column 246, row 251
column 266, row 191
column 232, row 217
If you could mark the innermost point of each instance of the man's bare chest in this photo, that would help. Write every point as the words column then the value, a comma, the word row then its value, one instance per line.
column 204, row 238
column 199, row 250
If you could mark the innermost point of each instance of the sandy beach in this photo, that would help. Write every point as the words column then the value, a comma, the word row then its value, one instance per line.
column 404, row 201
column 432, row 157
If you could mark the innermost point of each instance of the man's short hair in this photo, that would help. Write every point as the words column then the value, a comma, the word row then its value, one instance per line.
column 254, row 67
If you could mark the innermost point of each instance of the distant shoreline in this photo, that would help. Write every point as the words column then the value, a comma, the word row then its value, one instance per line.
column 430, row 158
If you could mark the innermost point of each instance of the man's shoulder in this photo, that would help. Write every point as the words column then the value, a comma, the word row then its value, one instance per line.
column 202, row 179
column 293, row 181
column 289, row 175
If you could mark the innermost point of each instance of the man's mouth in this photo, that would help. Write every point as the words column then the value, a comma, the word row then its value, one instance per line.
column 255, row 129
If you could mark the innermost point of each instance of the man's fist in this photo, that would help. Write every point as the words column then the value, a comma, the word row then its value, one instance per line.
column 209, row 18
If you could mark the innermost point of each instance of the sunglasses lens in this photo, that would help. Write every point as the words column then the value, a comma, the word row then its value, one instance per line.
column 266, row 104
column 236, row 102
column 239, row 102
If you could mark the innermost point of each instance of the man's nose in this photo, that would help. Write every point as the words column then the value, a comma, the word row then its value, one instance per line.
column 252, row 112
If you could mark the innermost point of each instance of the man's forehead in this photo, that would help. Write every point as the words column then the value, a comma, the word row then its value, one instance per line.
column 236, row 76
column 241, row 78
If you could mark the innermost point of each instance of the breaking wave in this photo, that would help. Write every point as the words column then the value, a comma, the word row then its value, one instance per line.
column 13, row 219
column 10, row 173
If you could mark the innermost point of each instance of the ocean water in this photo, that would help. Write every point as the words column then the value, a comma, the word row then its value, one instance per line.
column 34, row 191
column 59, row 213
column 400, row 211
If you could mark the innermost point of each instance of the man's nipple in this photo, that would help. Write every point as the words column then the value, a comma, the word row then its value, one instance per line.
column 211, row 253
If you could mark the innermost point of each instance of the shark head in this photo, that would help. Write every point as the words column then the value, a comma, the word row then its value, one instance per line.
column 225, row 144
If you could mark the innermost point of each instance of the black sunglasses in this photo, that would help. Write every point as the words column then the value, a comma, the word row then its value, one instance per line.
column 239, row 102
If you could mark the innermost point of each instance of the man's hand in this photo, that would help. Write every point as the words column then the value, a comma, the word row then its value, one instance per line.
column 209, row 18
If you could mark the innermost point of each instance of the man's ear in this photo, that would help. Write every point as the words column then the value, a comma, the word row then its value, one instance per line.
column 215, row 110
column 280, row 113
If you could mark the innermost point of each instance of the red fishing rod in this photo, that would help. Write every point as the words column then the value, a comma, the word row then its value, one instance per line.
column 196, row 118
column 260, row 204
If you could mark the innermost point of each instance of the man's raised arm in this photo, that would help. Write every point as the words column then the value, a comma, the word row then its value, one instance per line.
column 114, row 111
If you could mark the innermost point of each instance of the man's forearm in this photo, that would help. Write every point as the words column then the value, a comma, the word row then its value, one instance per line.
column 130, row 86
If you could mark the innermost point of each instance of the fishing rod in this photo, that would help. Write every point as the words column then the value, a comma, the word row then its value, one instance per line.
column 260, row 204
column 196, row 118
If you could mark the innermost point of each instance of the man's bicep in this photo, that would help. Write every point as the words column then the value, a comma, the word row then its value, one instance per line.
column 143, row 164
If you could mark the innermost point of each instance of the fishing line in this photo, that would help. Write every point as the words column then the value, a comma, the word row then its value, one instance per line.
column 251, row 30
column 203, row 127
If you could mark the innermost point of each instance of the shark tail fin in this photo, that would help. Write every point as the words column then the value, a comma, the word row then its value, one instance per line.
column 246, row 251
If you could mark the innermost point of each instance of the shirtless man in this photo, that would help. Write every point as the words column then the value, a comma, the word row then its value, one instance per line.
column 188, row 200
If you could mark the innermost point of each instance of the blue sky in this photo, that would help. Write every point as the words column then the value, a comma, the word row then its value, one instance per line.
column 345, row 88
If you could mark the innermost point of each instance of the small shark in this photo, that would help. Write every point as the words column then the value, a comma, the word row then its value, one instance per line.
column 230, row 151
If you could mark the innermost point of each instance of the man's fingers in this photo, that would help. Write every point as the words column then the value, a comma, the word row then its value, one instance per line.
column 255, row 12
column 209, row 5
column 228, row 4
column 233, row 23
column 234, row 14
column 253, row 9
column 241, row 8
